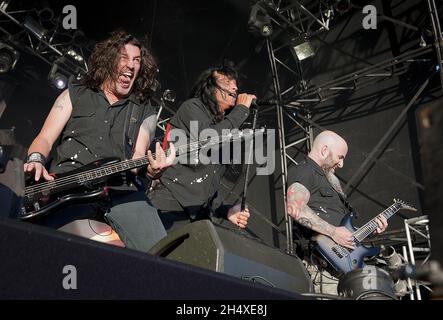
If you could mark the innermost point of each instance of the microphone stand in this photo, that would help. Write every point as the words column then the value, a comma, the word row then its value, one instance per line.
column 250, row 158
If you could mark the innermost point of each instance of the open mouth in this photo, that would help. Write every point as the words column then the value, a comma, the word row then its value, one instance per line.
column 125, row 79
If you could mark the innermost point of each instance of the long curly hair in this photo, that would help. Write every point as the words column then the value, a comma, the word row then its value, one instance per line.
column 104, row 60
column 206, row 85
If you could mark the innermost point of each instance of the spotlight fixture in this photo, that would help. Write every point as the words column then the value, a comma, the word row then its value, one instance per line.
column 35, row 28
column 259, row 21
column 8, row 58
column 56, row 78
column 302, row 49
column 392, row 258
column 4, row 5
column 342, row 6
column 74, row 55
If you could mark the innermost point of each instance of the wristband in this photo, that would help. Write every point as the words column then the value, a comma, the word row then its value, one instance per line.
column 36, row 157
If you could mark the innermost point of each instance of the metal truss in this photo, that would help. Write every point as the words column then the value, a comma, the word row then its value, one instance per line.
column 418, row 244
column 298, row 104
column 304, row 140
column 41, row 34
column 438, row 36
column 413, row 245
column 298, row 19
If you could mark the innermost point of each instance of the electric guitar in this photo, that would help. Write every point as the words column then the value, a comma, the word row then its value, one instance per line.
column 89, row 182
column 344, row 259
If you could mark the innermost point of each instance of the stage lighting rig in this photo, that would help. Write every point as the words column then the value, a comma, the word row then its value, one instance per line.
column 259, row 21
column 8, row 58
column 40, row 33
column 35, row 28
column 56, row 77
column 302, row 49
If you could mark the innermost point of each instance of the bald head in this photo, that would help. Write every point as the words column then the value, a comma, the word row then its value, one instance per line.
column 328, row 138
column 329, row 150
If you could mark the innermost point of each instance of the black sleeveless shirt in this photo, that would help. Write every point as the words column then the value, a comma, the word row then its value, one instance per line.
column 95, row 129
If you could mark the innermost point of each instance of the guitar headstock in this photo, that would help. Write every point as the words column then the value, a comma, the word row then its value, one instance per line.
column 405, row 205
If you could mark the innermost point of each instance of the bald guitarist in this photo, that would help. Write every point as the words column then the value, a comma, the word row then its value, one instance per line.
column 315, row 199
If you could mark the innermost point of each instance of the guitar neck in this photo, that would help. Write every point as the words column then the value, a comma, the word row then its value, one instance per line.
column 366, row 230
column 122, row 166
column 108, row 170
column 112, row 169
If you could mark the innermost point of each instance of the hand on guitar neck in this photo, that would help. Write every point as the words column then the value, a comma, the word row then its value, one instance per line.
column 345, row 238
column 158, row 161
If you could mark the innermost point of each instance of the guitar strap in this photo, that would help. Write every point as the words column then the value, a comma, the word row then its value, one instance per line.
column 347, row 204
column 133, row 121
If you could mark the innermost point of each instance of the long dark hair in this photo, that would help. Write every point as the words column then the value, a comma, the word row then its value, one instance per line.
column 104, row 60
column 206, row 85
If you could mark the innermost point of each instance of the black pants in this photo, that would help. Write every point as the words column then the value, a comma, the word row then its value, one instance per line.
column 172, row 214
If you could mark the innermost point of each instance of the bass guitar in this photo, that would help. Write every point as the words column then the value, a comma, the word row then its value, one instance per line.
column 89, row 182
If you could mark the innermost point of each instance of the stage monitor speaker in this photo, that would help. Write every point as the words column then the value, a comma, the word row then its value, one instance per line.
column 41, row 263
column 220, row 249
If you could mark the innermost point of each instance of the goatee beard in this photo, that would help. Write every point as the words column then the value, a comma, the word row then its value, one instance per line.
column 333, row 180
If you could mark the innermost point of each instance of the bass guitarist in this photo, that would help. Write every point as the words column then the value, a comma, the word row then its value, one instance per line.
column 107, row 114
column 316, row 201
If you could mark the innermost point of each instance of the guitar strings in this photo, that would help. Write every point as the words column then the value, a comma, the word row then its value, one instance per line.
column 369, row 227
column 48, row 185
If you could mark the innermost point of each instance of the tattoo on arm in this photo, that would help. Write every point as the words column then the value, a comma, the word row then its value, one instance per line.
column 305, row 222
column 298, row 197
column 61, row 100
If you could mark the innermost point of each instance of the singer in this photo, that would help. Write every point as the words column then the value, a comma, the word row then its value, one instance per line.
column 186, row 192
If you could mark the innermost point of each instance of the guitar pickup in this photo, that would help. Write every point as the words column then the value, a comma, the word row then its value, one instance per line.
column 337, row 252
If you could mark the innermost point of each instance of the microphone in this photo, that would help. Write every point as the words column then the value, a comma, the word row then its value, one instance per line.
column 264, row 102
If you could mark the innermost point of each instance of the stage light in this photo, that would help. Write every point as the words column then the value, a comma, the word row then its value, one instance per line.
column 4, row 5
column 46, row 14
column 8, row 58
column 392, row 258
column 342, row 6
column 301, row 49
column 56, row 78
column 74, row 55
column 35, row 28
column 259, row 21
column 60, row 81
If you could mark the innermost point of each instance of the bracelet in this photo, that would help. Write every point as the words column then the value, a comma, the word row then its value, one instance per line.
column 156, row 175
column 36, row 157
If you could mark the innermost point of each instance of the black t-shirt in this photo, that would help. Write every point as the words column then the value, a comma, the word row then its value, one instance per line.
column 324, row 200
column 194, row 185
column 95, row 129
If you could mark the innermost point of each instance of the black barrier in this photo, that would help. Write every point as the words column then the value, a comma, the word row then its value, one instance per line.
column 40, row 263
